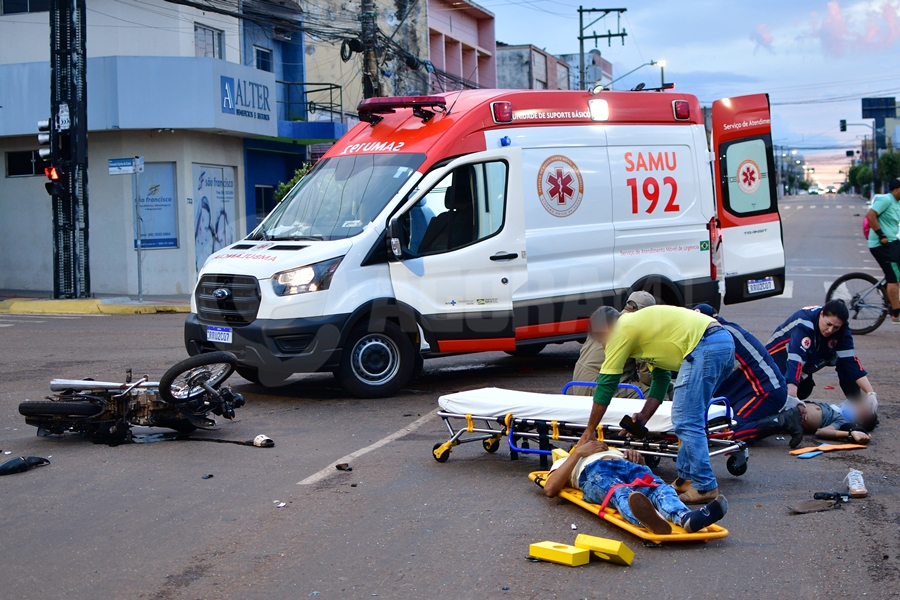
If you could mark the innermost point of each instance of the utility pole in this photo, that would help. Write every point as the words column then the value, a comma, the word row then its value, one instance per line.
column 609, row 35
column 369, row 37
column 68, row 172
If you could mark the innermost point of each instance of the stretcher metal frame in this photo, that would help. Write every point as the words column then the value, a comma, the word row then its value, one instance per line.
column 521, row 431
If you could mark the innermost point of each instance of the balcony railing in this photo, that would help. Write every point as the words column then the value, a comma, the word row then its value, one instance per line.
column 307, row 101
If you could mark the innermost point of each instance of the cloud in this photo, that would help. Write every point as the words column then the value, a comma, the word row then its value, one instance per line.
column 762, row 37
column 858, row 27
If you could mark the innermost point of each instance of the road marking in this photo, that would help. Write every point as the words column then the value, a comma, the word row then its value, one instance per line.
column 840, row 206
column 812, row 205
column 826, row 206
column 330, row 469
column 799, row 207
column 6, row 324
column 788, row 289
column 785, row 207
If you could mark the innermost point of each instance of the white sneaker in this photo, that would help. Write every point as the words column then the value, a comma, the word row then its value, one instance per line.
column 855, row 484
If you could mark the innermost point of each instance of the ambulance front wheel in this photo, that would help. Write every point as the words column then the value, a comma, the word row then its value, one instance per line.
column 376, row 364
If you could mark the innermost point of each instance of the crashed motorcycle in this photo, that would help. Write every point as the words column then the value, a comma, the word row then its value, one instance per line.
column 184, row 399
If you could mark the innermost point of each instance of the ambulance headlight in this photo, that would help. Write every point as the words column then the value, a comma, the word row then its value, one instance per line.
column 311, row 278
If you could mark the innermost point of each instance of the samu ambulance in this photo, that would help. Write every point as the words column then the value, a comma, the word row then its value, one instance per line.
column 494, row 220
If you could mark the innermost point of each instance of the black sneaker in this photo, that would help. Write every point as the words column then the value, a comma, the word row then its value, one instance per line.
column 645, row 512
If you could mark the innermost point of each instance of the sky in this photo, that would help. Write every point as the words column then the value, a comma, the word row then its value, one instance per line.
column 815, row 58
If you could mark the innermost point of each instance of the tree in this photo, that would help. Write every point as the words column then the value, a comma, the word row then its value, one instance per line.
column 804, row 184
column 283, row 188
column 888, row 167
column 859, row 176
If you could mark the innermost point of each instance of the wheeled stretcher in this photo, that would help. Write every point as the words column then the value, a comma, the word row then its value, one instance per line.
column 524, row 418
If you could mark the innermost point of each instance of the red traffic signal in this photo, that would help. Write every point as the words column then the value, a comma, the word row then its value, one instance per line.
column 54, row 187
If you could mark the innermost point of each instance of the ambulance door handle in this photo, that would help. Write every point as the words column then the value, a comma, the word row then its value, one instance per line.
column 503, row 256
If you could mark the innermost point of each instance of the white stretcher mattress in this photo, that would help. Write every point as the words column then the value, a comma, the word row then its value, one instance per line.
column 497, row 402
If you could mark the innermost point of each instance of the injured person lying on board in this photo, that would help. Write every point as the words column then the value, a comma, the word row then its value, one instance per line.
column 607, row 476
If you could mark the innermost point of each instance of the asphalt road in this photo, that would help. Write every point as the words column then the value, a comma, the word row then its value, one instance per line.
column 138, row 521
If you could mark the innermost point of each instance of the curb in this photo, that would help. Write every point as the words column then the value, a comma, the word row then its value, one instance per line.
column 90, row 306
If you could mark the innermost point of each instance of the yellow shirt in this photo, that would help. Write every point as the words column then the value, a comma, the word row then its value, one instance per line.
column 660, row 335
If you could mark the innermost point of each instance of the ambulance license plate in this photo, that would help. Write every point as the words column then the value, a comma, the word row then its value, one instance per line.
column 754, row 286
column 221, row 335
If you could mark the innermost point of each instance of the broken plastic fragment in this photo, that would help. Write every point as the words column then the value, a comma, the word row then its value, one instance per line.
column 281, row 504
column 574, row 527
column 343, row 467
column 208, row 476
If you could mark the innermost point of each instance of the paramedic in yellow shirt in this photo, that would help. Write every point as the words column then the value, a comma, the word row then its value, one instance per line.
column 668, row 338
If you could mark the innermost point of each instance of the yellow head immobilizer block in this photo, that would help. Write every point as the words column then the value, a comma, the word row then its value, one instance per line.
column 562, row 554
column 602, row 548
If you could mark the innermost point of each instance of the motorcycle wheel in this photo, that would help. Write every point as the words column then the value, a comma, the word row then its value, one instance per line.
column 43, row 408
column 182, row 382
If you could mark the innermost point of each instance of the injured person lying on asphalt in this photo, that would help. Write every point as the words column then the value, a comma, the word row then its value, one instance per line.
column 850, row 421
column 605, row 474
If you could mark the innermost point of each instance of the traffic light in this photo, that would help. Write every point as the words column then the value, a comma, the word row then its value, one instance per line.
column 44, row 138
column 843, row 124
column 54, row 187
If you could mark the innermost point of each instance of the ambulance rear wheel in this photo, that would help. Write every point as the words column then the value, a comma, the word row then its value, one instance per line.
column 734, row 468
column 527, row 351
column 376, row 364
column 440, row 457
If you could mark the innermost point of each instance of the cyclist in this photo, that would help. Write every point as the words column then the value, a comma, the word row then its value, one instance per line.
column 884, row 220
column 811, row 339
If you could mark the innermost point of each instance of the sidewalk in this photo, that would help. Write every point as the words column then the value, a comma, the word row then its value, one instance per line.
column 19, row 302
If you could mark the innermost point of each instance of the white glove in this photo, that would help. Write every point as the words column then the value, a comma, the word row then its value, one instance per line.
column 873, row 400
column 791, row 402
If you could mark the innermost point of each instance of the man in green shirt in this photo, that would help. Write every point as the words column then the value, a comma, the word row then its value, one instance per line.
column 668, row 338
column 884, row 220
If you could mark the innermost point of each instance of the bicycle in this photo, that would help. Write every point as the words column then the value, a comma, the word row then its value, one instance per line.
column 866, row 298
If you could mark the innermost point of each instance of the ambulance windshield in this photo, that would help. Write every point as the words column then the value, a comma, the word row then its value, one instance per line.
column 338, row 197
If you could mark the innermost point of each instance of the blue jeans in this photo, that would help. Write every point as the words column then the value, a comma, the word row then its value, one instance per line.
column 600, row 475
column 702, row 371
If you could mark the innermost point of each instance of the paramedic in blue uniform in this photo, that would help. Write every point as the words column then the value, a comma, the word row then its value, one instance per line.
column 811, row 339
column 756, row 390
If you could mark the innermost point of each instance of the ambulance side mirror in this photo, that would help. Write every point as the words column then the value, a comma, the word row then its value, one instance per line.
column 393, row 242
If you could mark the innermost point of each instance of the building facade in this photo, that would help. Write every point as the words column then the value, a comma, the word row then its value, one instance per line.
column 530, row 68
column 597, row 70
column 216, row 105
column 462, row 45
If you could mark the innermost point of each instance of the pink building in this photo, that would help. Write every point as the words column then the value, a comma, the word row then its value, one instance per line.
column 462, row 45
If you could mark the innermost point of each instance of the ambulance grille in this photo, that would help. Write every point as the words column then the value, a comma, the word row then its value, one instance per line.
column 238, row 307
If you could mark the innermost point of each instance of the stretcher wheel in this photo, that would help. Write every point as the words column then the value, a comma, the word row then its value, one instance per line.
column 652, row 461
column 491, row 445
column 443, row 456
column 734, row 468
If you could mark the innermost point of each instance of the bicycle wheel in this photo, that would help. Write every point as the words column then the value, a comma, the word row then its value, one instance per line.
column 866, row 299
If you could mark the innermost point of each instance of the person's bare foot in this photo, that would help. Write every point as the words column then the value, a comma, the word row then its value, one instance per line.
column 645, row 512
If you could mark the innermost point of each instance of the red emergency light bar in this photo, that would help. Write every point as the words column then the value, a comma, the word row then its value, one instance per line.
column 369, row 108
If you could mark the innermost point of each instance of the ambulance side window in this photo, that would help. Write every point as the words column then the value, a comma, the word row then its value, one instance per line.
column 465, row 207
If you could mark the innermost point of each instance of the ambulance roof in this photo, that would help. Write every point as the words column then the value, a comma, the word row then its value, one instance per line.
column 470, row 114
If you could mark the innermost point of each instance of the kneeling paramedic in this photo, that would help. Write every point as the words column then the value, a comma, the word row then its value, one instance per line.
column 811, row 339
column 607, row 475
column 668, row 338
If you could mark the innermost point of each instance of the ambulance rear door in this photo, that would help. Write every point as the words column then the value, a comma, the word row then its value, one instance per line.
column 747, row 232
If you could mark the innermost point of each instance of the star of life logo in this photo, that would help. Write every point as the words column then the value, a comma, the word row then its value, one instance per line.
column 748, row 176
column 560, row 186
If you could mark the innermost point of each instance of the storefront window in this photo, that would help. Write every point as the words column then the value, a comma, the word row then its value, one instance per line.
column 24, row 164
